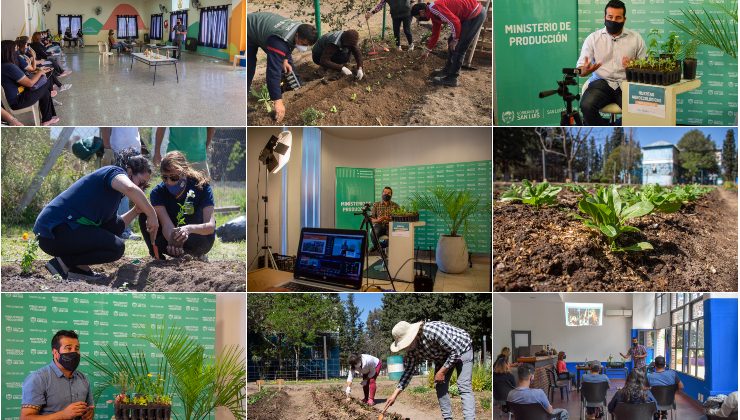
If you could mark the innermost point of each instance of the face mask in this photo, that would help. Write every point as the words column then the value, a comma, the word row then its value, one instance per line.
column 613, row 27
column 386, row 197
column 176, row 189
column 69, row 361
column 302, row 48
column 634, row 344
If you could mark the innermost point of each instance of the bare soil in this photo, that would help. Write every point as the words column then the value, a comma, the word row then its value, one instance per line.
column 145, row 275
column 695, row 249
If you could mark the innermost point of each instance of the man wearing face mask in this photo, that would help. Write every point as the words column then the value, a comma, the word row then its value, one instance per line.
column 332, row 52
column 605, row 55
column 277, row 37
column 638, row 353
column 381, row 216
column 449, row 348
column 58, row 390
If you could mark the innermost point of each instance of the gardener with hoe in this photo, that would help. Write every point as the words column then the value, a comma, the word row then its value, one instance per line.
column 58, row 390
column 332, row 51
column 80, row 227
column 369, row 367
column 400, row 14
column 449, row 347
column 184, row 205
column 464, row 17
column 277, row 37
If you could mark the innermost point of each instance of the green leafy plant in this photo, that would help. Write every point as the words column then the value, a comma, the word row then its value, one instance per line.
column 653, row 43
column 186, row 208
column 533, row 194
column 311, row 116
column 662, row 199
column 716, row 28
column 333, row 109
column 690, row 193
column 353, row 97
column 672, row 46
column 263, row 97
column 29, row 254
column 607, row 213
column 453, row 207
column 369, row 89
column 689, row 49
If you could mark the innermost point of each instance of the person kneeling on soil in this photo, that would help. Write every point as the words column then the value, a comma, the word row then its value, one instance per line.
column 332, row 52
column 184, row 205
column 277, row 36
column 449, row 347
column 369, row 367
column 465, row 17
column 80, row 227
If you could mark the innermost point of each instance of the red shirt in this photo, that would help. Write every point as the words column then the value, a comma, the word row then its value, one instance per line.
column 561, row 366
column 453, row 13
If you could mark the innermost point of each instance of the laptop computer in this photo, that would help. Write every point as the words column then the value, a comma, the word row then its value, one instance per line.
column 329, row 260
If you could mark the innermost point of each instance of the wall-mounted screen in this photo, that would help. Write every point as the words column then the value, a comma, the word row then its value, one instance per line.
column 583, row 314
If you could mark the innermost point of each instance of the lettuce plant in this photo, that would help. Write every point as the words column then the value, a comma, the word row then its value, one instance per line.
column 534, row 195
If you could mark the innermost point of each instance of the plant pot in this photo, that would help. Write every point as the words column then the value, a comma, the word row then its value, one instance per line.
column 452, row 254
column 142, row 412
column 689, row 68
column 406, row 217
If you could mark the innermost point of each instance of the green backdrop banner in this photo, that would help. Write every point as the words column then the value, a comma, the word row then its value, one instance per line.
column 715, row 102
column 30, row 320
column 534, row 39
column 354, row 187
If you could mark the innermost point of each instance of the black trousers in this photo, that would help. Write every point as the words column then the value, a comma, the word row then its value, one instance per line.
column 406, row 29
column 41, row 95
column 598, row 94
column 380, row 230
column 469, row 28
column 195, row 244
column 86, row 245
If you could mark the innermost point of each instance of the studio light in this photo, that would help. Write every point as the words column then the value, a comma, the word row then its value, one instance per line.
column 276, row 152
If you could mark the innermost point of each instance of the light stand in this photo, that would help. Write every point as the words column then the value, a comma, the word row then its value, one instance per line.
column 281, row 146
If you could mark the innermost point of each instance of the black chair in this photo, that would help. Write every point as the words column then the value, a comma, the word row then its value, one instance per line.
column 665, row 397
column 529, row 411
column 593, row 395
column 553, row 383
column 500, row 392
column 733, row 416
column 642, row 411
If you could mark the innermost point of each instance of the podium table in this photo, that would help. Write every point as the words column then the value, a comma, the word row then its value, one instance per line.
column 650, row 105
column 401, row 249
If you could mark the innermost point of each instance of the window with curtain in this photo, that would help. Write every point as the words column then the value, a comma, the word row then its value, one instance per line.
column 213, row 26
column 687, row 334
column 127, row 27
column 155, row 27
column 69, row 21
column 183, row 16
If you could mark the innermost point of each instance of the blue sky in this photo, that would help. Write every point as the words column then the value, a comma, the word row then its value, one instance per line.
column 366, row 302
column 648, row 135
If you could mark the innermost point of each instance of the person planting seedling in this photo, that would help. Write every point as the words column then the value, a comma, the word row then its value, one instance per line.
column 185, row 197
column 332, row 52
column 369, row 368
column 80, row 227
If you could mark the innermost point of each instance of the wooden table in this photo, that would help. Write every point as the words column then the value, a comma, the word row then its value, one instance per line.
column 154, row 62
column 266, row 280
column 659, row 102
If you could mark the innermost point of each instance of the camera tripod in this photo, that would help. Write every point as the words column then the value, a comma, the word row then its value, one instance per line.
column 367, row 226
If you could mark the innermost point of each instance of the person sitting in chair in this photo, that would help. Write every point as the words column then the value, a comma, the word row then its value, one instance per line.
column 381, row 215
column 594, row 376
column 663, row 377
column 523, row 394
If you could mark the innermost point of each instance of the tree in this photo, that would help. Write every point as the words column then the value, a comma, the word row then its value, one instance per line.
column 617, row 166
column 729, row 157
column 561, row 141
column 350, row 332
column 594, row 159
column 697, row 155
column 376, row 342
column 511, row 146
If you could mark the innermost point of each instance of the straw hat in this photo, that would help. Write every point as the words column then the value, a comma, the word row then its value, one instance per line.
column 404, row 334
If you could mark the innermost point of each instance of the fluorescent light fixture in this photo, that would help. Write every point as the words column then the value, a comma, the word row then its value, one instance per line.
column 583, row 314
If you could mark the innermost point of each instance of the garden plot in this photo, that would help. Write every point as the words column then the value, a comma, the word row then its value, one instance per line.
column 547, row 248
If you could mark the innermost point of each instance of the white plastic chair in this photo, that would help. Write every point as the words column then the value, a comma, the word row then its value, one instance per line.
column 34, row 109
column 612, row 109
column 103, row 51
column 237, row 58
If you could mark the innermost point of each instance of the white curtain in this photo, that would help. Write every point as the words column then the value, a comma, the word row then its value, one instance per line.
column 213, row 27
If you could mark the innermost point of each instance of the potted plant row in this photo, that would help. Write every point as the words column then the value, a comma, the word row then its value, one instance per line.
column 143, row 407
column 662, row 65
column 403, row 214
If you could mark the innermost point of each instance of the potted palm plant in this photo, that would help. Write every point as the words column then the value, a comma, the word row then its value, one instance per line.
column 454, row 208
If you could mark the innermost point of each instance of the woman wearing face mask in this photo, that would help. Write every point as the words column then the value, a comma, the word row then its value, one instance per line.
column 80, row 227
column 184, row 205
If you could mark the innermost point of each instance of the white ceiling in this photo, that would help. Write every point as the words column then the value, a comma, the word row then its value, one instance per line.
column 363, row 133
column 622, row 300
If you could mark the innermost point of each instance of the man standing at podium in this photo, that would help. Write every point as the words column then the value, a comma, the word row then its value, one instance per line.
column 605, row 55
column 381, row 216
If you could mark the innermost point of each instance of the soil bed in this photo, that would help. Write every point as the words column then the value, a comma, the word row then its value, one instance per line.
column 143, row 275
column 695, row 249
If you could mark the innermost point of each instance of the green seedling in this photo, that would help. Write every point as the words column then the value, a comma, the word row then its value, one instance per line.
column 607, row 213
column 186, row 208
column 333, row 109
column 388, row 76
column 663, row 200
column 353, row 97
column 531, row 194
column 263, row 97
column 29, row 256
column 311, row 116
column 369, row 89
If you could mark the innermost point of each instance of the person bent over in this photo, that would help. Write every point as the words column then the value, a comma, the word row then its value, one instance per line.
column 332, row 51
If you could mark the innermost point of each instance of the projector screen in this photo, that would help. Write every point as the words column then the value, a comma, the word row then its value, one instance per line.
column 180, row 5
column 583, row 314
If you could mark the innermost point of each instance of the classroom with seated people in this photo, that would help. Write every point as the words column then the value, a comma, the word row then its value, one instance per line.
column 142, row 62
column 620, row 356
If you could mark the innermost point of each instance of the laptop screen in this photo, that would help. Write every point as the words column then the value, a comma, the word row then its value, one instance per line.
column 331, row 255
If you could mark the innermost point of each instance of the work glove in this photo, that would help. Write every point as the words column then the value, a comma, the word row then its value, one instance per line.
column 348, row 391
column 360, row 74
column 346, row 71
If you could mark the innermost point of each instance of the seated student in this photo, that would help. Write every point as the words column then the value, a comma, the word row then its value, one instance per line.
column 594, row 376
column 52, row 46
column 635, row 391
column 562, row 369
column 80, row 38
column 41, row 52
column 184, row 205
column 27, row 61
column 68, row 37
column 523, row 394
column 116, row 45
column 502, row 378
column 726, row 410
column 332, row 52
column 23, row 91
column 663, row 377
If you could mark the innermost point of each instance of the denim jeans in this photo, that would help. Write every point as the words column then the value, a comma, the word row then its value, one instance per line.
column 464, row 369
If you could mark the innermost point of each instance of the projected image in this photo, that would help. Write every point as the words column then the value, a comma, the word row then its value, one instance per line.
column 583, row 314
column 180, row 4
column 314, row 244
column 347, row 247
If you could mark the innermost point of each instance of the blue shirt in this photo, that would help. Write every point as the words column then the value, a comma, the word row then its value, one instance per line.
column 51, row 391
column 11, row 75
column 596, row 378
column 665, row 378
column 160, row 196
column 528, row 396
column 91, row 196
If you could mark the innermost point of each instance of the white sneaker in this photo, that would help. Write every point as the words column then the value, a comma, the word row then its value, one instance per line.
column 411, row 46
column 57, row 103
column 65, row 86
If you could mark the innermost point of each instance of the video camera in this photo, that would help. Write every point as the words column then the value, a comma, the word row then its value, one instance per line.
column 569, row 116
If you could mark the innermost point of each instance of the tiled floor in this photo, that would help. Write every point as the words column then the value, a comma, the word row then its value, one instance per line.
column 209, row 93
column 476, row 279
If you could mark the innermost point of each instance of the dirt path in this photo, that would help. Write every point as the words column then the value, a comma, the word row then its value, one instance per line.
column 695, row 249
column 145, row 275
